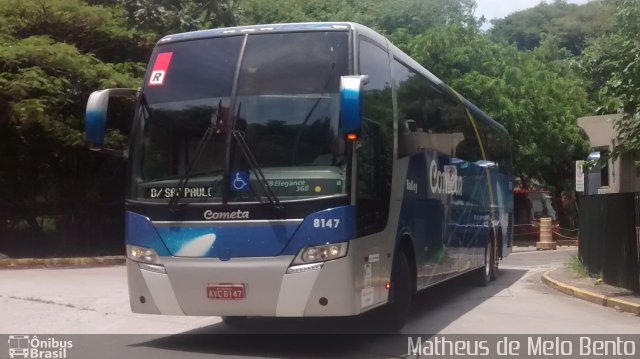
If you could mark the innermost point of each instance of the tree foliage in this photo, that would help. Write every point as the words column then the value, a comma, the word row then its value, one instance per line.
column 171, row 16
column 54, row 54
column 386, row 16
column 571, row 24
column 613, row 61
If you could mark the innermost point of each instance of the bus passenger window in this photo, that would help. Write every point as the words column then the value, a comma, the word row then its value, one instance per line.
column 375, row 154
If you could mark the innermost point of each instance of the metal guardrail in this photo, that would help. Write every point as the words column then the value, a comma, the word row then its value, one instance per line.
column 557, row 231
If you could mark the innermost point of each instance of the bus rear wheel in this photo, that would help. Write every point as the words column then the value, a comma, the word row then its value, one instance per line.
column 494, row 264
column 485, row 274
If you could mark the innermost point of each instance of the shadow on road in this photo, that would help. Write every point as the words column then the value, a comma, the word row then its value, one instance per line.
column 364, row 336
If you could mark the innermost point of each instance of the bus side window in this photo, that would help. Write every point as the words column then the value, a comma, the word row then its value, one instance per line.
column 376, row 143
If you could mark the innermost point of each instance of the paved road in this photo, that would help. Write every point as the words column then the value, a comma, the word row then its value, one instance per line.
column 94, row 300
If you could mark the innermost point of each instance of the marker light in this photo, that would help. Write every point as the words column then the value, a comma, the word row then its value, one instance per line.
column 152, row 268
column 351, row 136
column 142, row 254
column 321, row 253
column 304, row 268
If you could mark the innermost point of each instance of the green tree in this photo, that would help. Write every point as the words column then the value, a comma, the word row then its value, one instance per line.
column 613, row 61
column 98, row 30
column 164, row 17
column 54, row 54
column 386, row 16
column 571, row 24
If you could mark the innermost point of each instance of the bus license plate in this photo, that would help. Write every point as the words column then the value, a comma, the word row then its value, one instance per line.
column 225, row 291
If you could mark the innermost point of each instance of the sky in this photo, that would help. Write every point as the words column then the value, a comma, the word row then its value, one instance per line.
column 495, row 9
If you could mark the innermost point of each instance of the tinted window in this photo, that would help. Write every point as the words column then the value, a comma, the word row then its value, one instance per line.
column 195, row 88
column 376, row 151
column 496, row 144
column 293, row 63
column 429, row 118
column 200, row 69
column 286, row 109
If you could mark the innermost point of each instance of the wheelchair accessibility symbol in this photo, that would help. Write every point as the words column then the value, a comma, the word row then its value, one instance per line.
column 239, row 181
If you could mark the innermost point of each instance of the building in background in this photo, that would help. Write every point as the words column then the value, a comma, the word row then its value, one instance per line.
column 617, row 176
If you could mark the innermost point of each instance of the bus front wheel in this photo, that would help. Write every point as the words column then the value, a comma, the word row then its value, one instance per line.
column 400, row 294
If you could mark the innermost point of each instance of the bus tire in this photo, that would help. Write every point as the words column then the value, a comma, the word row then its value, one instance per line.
column 234, row 321
column 400, row 294
column 494, row 263
column 483, row 274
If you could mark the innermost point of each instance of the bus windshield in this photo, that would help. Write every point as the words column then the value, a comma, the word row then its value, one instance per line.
column 285, row 105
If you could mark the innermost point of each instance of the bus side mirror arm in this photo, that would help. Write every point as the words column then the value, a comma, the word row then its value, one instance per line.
column 112, row 152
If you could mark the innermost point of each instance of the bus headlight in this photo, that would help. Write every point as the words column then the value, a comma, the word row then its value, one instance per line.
column 321, row 253
column 142, row 254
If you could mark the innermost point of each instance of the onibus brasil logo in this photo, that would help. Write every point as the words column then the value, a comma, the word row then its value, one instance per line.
column 25, row 346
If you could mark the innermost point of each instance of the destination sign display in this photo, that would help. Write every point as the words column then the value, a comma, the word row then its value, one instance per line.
column 280, row 187
column 170, row 192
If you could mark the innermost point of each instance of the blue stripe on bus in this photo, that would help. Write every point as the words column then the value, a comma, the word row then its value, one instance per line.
column 225, row 242
column 316, row 228
column 242, row 240
column 140, row 232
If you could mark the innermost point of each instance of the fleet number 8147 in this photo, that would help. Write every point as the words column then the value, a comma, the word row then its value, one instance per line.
column 326, row 223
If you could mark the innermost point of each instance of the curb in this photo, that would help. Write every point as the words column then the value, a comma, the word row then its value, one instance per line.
column 596, row 298
column 79, row 261
column 559, row 242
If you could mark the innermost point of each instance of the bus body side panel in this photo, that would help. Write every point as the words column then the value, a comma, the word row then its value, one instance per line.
column 422, row 219
column 374, row 253
column 445, row 212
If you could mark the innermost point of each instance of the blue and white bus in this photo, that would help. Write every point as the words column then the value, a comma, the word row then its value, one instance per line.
column 303, row 170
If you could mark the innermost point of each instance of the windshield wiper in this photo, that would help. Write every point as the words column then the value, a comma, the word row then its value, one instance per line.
column 238, row 135
column 213, row 128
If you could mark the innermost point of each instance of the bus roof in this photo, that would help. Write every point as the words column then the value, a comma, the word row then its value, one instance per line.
column 226, row 31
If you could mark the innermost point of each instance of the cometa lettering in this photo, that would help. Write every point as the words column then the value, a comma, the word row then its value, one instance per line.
column 209, row 214
column 444, row 183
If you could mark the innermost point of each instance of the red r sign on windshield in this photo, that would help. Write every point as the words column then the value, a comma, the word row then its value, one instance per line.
column 160, row 68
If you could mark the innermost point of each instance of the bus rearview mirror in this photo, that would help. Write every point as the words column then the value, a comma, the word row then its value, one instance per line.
column 351, row 88
column 96, row 115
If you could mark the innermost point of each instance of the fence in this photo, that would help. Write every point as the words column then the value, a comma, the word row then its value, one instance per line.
column 65, row 232
column 609, row 237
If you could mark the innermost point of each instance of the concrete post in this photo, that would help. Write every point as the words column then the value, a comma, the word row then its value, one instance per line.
column 546, row 235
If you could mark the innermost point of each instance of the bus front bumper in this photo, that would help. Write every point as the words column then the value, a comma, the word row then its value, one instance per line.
column 269, row 290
